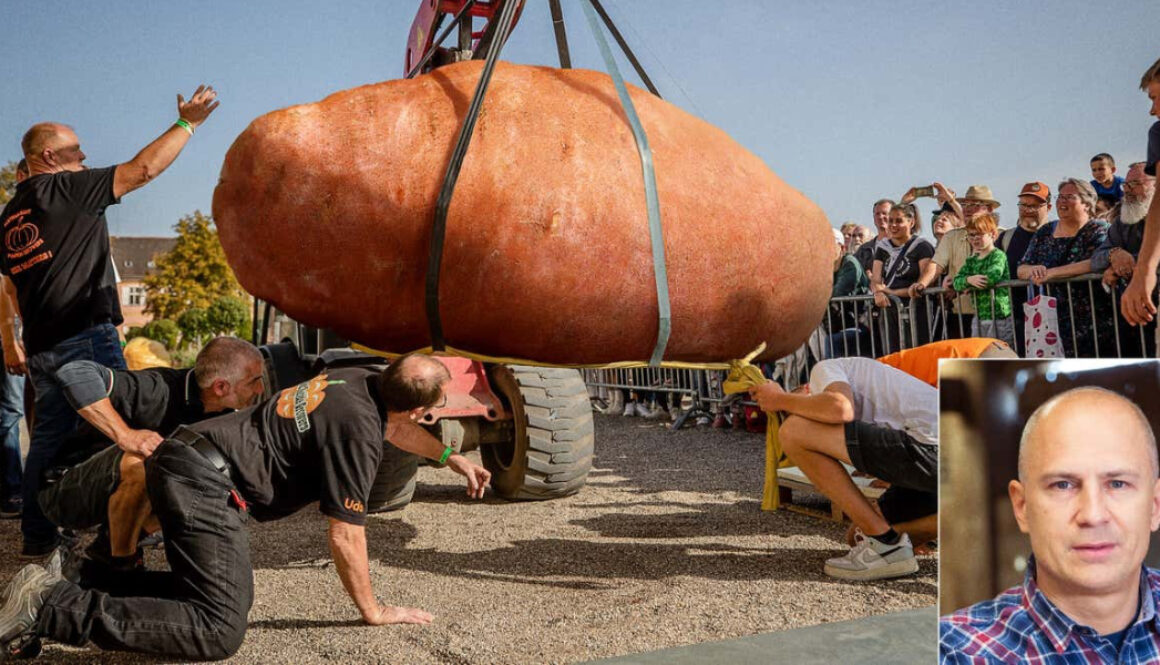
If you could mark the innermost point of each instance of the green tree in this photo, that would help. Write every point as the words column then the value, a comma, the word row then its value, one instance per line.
column 7, row 182
column 193, row 274
column 194, row 325
column 161, row 330
column 229, row 315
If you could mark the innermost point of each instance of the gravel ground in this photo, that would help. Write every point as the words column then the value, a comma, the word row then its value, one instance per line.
column 666, row 546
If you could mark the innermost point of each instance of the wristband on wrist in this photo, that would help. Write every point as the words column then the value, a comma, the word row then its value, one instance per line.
column 184, row 124
column 447, row 452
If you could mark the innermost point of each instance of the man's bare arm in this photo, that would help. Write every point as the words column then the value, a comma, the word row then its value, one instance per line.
column 158, row 155
column 87, row 386
column 406, row 435
column 104, row 417
column 14, row 361
column 348, row 546
column 1150, row 246
column 834, row 405
column 1136, row 301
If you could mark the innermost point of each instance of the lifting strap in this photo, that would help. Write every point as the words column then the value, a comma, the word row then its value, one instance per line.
column 451, row 175
column 439, row 228
column 664, row 324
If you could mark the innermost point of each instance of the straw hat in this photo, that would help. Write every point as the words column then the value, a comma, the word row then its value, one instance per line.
column 979, row 193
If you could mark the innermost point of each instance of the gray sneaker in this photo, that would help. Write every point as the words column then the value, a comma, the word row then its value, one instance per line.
column 870, row 559
column 24, row 597
column 56, row 562
column 52, row 567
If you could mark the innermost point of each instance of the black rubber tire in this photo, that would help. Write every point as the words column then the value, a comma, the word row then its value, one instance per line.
column 551, row 453
column 394, row 485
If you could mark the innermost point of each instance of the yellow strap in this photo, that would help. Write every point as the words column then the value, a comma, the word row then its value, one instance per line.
column 743, row 375
column 770, row 497
column 451, row 351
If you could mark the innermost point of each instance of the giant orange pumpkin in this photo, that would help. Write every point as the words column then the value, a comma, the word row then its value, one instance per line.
column 326, row 209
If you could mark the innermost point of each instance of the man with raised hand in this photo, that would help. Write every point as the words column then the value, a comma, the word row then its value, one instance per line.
column 55, row 262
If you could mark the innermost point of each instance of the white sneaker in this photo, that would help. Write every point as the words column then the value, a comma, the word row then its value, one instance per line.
column 870, row 559
column 629, row 409
column 616, row 402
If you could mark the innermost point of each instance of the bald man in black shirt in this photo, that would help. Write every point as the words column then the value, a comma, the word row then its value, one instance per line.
column 55, row 265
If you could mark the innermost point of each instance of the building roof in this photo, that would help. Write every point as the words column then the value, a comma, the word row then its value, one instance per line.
column 135, row 257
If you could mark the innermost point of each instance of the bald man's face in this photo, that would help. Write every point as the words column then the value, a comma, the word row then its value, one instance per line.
column 63, row 151
column 1087, row 496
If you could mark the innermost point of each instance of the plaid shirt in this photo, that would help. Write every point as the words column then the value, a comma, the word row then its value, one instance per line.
column 1022, row 626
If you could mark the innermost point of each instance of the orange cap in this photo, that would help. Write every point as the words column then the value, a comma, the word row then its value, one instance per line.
column 1036, row 189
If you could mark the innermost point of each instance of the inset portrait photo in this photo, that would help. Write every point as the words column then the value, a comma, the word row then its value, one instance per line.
column 1050, row 507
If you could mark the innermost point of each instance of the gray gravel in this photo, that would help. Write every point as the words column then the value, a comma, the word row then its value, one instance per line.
column 666, row 546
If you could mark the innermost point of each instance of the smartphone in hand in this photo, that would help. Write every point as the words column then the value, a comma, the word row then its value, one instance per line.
column 920, row 192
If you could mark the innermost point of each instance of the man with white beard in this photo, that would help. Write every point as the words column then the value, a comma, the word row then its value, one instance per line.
column 1116, row 258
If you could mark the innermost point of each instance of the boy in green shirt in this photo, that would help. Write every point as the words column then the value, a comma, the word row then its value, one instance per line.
column 983, row 269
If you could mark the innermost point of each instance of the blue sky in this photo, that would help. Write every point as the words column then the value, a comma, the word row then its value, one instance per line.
column 847, row 101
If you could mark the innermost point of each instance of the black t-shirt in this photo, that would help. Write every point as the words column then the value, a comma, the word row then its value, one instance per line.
column 56, row 250
column 321, row 440
column 157, row 399
column 907, row 270
column 865, row 253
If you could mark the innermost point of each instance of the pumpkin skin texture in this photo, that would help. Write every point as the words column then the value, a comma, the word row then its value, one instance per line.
column 326, row 210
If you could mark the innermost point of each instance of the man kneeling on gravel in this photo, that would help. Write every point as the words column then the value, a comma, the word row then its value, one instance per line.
column 319, row 441
column 126, row 412
column 880, row 420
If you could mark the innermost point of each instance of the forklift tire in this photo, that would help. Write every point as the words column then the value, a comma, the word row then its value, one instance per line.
column 395, row 482
column 551, row 453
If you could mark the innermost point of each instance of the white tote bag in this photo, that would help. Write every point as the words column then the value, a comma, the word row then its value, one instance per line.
column 1041, row 325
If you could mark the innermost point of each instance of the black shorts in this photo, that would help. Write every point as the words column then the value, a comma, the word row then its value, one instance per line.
column 80, row 498
column 892, row 455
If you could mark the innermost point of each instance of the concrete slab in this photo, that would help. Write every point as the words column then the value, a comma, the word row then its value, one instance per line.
column 903, row 638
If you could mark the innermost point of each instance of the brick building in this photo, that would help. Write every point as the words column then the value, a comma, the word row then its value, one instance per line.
column 134, row 258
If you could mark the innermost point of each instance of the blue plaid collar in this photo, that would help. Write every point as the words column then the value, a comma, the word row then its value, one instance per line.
column 1060, row 629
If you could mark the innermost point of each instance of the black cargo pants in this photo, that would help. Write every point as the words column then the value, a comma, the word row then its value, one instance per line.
column 196, row 611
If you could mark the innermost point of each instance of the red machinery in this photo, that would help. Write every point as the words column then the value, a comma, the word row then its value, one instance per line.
column 432, row 14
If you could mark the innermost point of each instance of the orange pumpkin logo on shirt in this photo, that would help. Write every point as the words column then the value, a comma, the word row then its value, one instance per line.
column 300, row 401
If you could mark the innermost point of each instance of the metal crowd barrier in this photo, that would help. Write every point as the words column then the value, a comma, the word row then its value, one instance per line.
column 932, row 317
column 855, row 326
column 703, row 387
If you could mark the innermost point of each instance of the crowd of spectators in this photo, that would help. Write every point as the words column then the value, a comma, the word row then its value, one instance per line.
column 976, row 277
